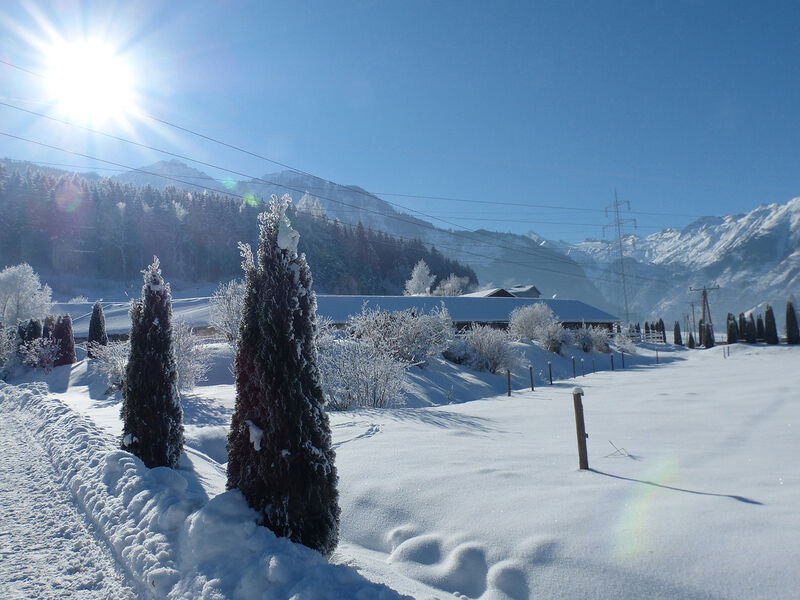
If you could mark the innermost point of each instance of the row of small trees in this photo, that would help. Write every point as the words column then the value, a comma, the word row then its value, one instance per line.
column 750, row 330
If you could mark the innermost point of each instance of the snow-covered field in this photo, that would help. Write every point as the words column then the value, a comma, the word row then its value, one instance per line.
column 464, row 491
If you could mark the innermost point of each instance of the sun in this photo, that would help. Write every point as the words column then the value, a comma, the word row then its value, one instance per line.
column 89, row 81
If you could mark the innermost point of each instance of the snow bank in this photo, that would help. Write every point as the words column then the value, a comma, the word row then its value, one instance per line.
column 171, row 541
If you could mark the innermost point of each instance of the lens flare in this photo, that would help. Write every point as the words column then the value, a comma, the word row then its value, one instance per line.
column 250, row 200
column 69, row 197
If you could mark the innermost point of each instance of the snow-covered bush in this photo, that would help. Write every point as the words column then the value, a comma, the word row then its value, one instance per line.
column 110, row 361
column 421, row 281
column 452, row 286
column 8, row 348
column 78, row 300
column 22, row 296
column 40, row 353
column 538, row 323
column 191, row 355
column 356, row 373
column 226, row 307
column 484, row 348
column 589, row 338
column 410, row 337
column 62, row 333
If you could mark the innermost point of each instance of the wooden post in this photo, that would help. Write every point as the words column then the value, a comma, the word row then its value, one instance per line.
column 593, row 369
column 550, row 371
column 530, row 370
column 508, row 378
column 612, row 362
column 580, row 428
column 656, row 356
column 573, row 367
column 583, row 370
column 622, row 354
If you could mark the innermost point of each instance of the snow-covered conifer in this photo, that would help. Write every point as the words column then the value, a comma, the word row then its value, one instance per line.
column 421, row 280
column 760, row 331
column 279, row 448
column 750, row 330
column 707, row 334
column 62, row 334
column 770, row 327
column 676, row 335
column 97, row 330
column 47, row 327
column 690, row 343
column 792, row 331
column 152, row 419
column 451, row 286
column 733, row 329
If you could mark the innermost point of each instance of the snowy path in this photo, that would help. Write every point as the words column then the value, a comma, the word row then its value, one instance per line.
column 46, row 548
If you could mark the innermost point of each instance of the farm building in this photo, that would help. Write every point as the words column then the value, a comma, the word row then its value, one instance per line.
column 494, row 311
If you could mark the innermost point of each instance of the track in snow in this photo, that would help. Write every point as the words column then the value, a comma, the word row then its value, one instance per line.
column 47, row 550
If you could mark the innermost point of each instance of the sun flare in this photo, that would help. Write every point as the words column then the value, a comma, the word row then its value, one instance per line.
column 90, row 81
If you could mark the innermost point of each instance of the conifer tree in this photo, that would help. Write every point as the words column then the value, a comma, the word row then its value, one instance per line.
column 760, row 331
column 49, row 324
column 152, row 419
column 733, row 329
column 33, row 330
column 690, row 343
column 279, row 448
column 676, row 335
column 707, row 334
column 770, row 327
column 792, row 331
column 750, row 330
column 742, row 326
column 662, row 330
column 97, row 329
column 62, row 333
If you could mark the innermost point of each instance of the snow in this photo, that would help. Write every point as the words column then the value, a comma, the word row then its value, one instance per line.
column 288, row 237
column 467, row 492
column 256, row 433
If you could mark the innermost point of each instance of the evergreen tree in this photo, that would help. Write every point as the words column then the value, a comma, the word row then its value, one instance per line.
column 62, row 333
column 742, row 326
column 733, row 329
column 49, row 324
column 792, row 331
column 279, row 448
column 662, row 330
column 707, row 334
column 750, row 330
column 33, row 330
column 676, row 335
column 97, row 329
column 690, row 343
column 760, row 331
column 152, row 419
column 770, row 327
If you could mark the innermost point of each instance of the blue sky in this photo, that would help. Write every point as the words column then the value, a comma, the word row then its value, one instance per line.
column 684, row 108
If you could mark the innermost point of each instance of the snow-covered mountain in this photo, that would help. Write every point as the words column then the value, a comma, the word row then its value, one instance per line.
column 754, row 258
column 499, row 259
column 169, row 173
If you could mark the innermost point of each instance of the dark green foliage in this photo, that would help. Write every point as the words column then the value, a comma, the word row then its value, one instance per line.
column 733, row 329
column 750, row 330
column 742, row 326
column 49, row 324
column 152, row 419
column 770, row 327
column 33, row 330
column 62, row 333
column 288, row 475
column 792, row 331
column 107, row 229
column 706, row 334
column 97, row 329
column 676, row 335
column 760, row 332
column 690, row 343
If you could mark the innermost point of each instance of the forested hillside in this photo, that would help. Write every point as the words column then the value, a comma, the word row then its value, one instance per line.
column 97, row 227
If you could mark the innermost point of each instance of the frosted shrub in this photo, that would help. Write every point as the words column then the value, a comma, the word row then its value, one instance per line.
column 40, row 353
column 411, row 338
column 191, row 355
column 599, row 337
column 355, row 373
column 109, row 362
column 22, row 296
column 421, row 281
column 78, row 300
column 538, row 323
column 452, row 286
column 226, row 308
column 484, row 348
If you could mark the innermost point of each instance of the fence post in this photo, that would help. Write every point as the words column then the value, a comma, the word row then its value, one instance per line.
column 583, row 370
column 622, row 354
column 550, row 371
column 612, row 362
column 573, row 367
column 580, row 428
column 530, row 370
column 593, row 369
column 508, row 378
column 656, row 356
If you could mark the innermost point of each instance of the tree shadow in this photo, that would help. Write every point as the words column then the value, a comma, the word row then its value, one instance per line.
column 198, row 410
column 677, row 489
column 441, row 419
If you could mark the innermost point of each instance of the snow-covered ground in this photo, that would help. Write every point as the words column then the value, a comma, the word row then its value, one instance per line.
column 466, row 491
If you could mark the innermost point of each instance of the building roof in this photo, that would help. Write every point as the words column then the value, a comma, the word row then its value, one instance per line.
column 490, row 293
column 525, row 291
column 462, row 309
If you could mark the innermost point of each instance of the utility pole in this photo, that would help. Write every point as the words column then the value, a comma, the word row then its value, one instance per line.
column 617, row 225
column 694, row 323
column 706, row 319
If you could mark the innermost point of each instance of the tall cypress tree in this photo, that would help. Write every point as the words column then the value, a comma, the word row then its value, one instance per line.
column 152, row 419
column 760, row 331
column 676, row 335
column 733, row 329
column 792, row 331
column 279, row 448
column 742, row 326
column 97, row 329
column 770, row 327
column 750, row 330
column 690, row 343
column 62, row 333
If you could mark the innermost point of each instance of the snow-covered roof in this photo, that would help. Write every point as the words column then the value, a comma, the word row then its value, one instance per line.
column 528, row 291
column 462, row 309
column 489, row 293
